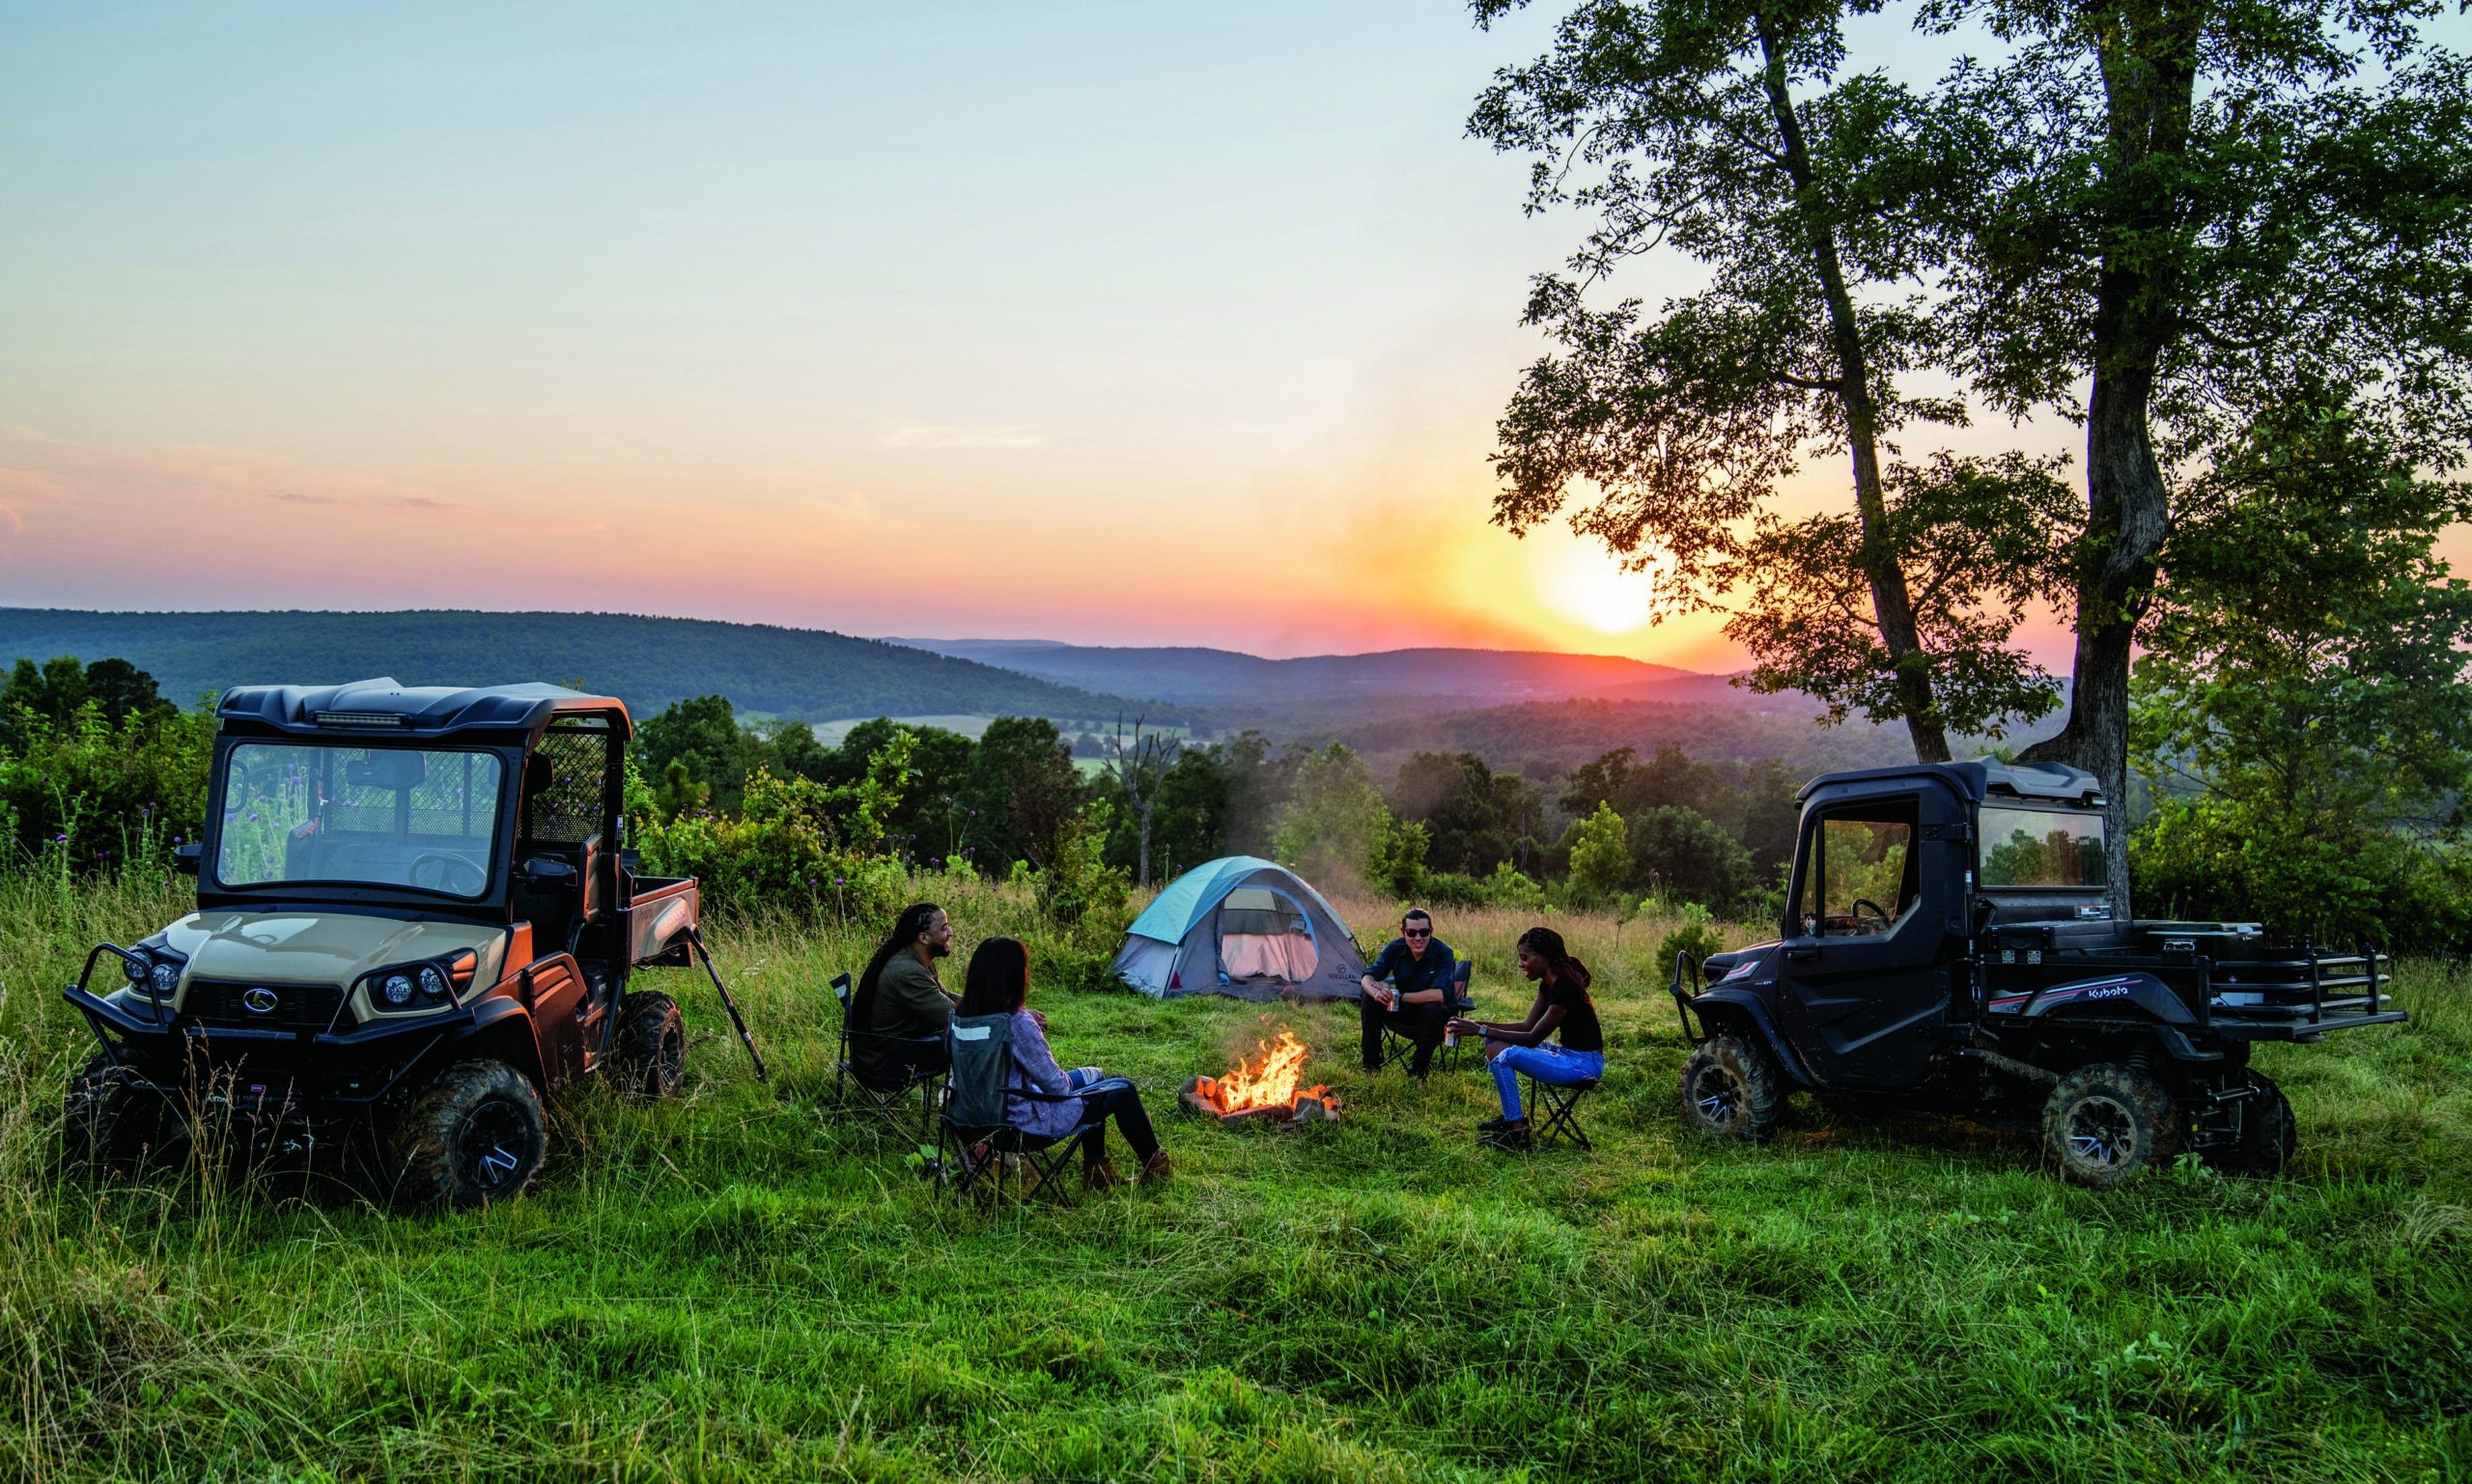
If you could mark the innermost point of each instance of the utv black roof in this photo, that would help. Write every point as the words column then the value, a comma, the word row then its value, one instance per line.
column 371, row 709
column 2056, row 782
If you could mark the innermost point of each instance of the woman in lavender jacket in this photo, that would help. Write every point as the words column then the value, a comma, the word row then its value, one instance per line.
column 998, row 982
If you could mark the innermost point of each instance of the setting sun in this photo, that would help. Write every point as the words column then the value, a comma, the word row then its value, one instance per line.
column 1589, row 586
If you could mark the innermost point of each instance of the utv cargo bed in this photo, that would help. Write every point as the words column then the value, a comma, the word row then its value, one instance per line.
column 659, row 919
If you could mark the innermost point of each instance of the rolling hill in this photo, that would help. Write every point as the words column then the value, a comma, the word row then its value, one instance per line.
column 1426, row 679
column 648, row 663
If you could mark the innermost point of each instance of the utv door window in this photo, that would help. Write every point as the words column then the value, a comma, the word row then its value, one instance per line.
column 1861, row 880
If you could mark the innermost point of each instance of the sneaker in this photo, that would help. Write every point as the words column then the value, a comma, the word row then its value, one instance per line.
column 1490, row 1125
column 1510, row 1138
column 1102, row 1176
column 1156, row 1170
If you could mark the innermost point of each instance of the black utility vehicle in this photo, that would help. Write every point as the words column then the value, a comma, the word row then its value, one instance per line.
column 1948, row 947
column 412, row 917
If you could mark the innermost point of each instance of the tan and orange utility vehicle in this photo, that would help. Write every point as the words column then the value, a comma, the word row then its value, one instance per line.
column 413, row 919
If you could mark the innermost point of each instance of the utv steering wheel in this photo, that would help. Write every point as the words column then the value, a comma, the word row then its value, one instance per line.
column 448, row 868
column 1860, row 903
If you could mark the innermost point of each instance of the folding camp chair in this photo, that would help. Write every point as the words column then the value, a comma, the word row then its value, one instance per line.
column 973, row 1143
column 889, row 1101
column 1456, row 1002
column 1553, row 1112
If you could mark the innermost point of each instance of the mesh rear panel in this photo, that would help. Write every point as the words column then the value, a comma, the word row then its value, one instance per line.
column 569, row 809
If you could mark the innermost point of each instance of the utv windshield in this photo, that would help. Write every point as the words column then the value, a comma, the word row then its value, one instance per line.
column 2041, row 847
column 358, row 816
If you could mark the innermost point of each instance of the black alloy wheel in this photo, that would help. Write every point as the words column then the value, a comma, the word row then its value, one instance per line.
column 2104, row 1122
column 473, row 1137
column 1731, row 1088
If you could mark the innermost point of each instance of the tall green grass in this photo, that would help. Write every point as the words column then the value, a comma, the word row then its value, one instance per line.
column 749, row 1284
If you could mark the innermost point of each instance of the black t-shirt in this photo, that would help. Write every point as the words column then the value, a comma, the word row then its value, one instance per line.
column 1578, row 1030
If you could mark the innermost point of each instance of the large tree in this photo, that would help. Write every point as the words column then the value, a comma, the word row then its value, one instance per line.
column 2304, row 717
column 1729, row 133
column 2196, row 210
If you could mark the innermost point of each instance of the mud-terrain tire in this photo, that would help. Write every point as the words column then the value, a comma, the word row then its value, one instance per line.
column 2105, row 1122
column 1733, row 1088
column 648, row 1058
column 108, row 1125
column 2268, row 1133
column 473, row 1137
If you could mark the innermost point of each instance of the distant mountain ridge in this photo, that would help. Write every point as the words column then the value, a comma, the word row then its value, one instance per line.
column 811, row 674
column 1195, row 676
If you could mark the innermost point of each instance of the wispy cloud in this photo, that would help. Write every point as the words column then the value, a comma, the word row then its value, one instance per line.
column 940, row 436
column 298, row 498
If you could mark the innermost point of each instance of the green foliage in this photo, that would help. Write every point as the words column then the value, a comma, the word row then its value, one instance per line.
column 1335, row 825
column 1025, row 794
column 1077, row 889
column 84, row 791
column 1600, row 853
column 1509, row 888
column 1682, row 855
column 1471, row 814
column 797, row 844
column 1696, row 935
column 2303, row 715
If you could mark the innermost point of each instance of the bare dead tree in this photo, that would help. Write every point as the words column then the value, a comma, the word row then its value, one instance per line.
column 1141, row 766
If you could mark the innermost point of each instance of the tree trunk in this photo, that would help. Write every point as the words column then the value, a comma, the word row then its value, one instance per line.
column 2148, row 52
column 1891, row 607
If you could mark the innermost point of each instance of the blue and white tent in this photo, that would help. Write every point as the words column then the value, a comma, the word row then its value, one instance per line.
column 1241, row 926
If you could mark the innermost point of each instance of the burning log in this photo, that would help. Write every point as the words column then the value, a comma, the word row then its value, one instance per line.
column 1262, row 1086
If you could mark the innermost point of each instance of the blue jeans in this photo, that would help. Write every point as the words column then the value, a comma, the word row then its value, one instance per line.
column 1554, row 1064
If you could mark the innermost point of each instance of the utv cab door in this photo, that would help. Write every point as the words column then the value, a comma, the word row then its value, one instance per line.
column 1862, row 981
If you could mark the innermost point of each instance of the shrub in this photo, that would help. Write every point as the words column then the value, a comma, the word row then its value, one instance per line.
column 1696, row 935
column 1511, row 889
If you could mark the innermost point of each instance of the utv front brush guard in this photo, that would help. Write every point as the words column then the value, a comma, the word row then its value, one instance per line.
column 1682, row 1001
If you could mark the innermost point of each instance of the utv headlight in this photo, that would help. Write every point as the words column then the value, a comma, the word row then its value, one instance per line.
column 430, row 984
column 137, row 971
column 165, row 977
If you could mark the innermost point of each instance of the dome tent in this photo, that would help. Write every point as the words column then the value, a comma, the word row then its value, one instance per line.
column 1241, row 926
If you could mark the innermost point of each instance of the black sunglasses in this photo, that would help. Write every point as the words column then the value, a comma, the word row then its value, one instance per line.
column 1416, row 932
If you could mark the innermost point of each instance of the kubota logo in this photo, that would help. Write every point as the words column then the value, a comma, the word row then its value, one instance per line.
column 258, row 1000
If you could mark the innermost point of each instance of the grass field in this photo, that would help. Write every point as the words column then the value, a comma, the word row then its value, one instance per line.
column 745, row 1284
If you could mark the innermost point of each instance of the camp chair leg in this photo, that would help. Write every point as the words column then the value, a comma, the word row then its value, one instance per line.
column 1559, row 1106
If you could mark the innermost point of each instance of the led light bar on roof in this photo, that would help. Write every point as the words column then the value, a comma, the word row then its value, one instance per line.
column 358, row 718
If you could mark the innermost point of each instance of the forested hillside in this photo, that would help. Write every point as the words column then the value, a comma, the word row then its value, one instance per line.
column 1414, row 679
column 648, row 663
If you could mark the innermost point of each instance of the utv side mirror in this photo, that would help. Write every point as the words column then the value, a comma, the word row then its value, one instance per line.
column 547, row 871
column 185, row 858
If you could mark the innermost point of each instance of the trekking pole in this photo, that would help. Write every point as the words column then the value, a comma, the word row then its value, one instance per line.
column 695, row 936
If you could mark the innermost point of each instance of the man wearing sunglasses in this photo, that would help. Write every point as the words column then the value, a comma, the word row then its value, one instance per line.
column 1416, row 1000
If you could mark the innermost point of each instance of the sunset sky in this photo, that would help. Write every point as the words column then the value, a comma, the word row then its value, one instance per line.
column 1108, row 322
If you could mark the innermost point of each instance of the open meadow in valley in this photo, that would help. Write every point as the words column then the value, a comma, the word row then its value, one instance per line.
column 754, row 1283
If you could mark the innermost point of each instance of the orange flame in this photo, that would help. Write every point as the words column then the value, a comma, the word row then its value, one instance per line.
column 1265, row 1079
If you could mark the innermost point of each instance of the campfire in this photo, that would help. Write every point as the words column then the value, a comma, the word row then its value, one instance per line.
column 1263, row 1085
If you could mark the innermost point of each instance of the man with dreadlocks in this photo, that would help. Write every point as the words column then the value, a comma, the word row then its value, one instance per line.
column 900, row 1002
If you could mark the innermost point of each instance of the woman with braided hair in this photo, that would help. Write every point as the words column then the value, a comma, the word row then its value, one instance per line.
column 1562, row 1010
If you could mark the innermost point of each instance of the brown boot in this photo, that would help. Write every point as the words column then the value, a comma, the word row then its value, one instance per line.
column 1102, row 1175
column 1156, row 1170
